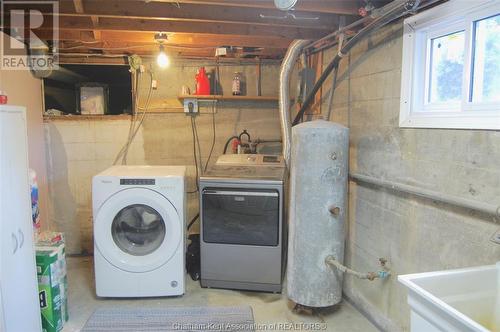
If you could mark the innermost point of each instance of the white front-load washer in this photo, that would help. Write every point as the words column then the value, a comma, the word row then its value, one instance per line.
column 139, row 231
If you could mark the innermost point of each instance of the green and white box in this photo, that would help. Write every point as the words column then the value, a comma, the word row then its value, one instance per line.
column 57, row 239
column 52, row 285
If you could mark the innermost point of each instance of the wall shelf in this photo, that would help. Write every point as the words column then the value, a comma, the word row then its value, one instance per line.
column 230, row 98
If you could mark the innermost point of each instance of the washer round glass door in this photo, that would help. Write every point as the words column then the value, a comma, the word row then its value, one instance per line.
column 137, row 230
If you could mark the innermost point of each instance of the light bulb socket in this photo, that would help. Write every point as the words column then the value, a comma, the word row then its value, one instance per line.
column 161, row 37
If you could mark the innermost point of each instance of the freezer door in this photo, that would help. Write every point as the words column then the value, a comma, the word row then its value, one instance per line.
column 2, row 318
column 19, row 286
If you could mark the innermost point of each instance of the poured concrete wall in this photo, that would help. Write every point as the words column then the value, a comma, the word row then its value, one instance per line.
column 414, row 234
column 80, row 148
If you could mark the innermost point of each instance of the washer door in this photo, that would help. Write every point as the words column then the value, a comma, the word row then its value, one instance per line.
column 137, row 230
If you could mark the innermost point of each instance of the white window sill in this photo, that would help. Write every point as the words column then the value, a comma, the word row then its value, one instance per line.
column 451, row 120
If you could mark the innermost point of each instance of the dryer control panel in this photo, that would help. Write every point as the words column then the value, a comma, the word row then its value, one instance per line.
column 250, row 160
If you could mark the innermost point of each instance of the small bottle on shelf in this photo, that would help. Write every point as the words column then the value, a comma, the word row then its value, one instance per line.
column 236, row 88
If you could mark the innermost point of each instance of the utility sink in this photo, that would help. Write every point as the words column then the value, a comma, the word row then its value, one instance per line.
column 455, row 300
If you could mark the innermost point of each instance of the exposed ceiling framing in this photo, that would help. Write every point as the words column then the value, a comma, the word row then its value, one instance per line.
column 194, row 27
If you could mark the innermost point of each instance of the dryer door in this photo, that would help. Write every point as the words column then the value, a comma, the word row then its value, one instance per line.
column 137, row 230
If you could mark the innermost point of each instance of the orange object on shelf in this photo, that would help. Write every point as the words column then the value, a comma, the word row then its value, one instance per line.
column 3, row 98
column 202, row 82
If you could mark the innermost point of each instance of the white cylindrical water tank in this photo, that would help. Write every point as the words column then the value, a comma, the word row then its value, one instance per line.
column 318, row 204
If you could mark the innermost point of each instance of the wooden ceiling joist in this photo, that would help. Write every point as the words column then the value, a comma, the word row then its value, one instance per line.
column 178, row 53
column 199, row 13
column 78, row 4
column 113, row 24
column 178, row 39
column 194, row 27
column 344, row 7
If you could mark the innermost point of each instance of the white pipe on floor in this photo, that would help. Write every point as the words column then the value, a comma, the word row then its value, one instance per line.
column 489, row 209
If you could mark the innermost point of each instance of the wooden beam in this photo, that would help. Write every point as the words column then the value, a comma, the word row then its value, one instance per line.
column 78, row 4
column 179, row 39
column 200, row 13
column 92, row 60
column 113, row 24
column 95, row 23
column 123, row 60
column 152, row 49
column 344, row 7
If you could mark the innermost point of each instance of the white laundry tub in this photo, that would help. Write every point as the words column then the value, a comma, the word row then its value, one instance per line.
column 455, row 300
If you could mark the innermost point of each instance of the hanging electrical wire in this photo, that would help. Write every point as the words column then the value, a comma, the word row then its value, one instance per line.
column 195, row 157
column 191, row 223
column 198, row 145
column 135, row 123
column 216, row 91
column 135, row 78
column 200, row 168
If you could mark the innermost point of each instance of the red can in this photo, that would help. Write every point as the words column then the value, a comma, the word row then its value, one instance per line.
column 3, row 98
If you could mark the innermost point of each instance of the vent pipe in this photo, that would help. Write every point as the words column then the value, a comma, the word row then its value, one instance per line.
column 287, row 65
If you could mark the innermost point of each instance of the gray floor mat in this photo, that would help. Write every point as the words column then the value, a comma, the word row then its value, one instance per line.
column 171, row 319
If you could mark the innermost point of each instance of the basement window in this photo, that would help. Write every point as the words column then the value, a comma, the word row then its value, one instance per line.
column 451, row 67
column 75, row 87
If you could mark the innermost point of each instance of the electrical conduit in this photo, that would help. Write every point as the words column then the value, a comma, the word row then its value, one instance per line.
column 390, row 13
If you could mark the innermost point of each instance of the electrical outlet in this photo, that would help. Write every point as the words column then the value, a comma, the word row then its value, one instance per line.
column 190, row 106
column 496, row 237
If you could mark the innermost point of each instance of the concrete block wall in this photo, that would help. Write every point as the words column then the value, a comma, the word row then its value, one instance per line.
column 76, row 151
column 414, row 234
column 80, row 148
column 23, row 89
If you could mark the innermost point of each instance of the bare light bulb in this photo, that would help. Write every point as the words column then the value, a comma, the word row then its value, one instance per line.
column 162, row 60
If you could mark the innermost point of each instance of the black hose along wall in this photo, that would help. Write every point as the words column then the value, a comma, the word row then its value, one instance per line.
column 403, row 8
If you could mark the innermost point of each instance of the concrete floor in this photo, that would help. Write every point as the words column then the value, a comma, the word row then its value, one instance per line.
column 267, row 308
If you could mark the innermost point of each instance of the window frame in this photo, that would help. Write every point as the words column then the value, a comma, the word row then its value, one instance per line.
column 419, row 30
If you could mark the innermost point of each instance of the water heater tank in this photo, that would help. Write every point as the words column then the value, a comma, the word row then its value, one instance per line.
column 318, row 204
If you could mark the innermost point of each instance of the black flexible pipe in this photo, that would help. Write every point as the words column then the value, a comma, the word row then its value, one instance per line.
column 395, row 12
column 227, row 143
column 332, row 94
column 244, row 132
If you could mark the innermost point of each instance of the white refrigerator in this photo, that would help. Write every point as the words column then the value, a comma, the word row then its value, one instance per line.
column 19, row 305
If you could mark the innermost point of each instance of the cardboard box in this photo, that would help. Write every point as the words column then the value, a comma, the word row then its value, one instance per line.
column 93, row 98
column 50, row 238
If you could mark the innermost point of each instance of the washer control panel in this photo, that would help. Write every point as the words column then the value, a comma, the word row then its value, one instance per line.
column 137, row 182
